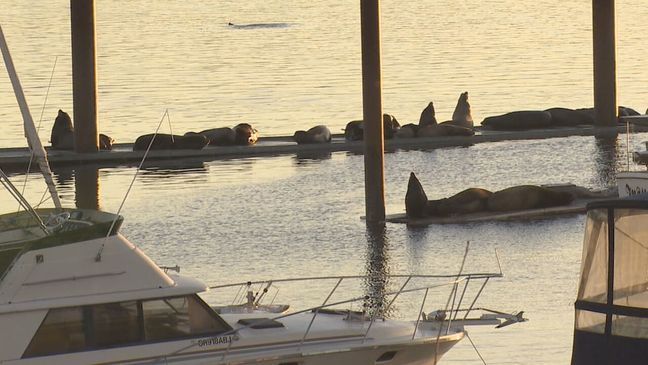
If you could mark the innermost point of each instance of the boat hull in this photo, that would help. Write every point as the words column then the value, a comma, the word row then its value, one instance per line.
column 632, row 183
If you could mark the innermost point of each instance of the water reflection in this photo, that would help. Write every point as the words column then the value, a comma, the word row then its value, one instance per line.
column 377, row 269
column 606, row 158
column 311, row 157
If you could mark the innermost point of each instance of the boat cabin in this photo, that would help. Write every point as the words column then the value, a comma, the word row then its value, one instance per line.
column 611, row 324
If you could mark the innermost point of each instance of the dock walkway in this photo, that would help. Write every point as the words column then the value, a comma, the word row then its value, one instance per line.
column 17, row 159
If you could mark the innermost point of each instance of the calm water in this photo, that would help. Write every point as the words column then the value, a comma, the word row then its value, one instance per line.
column 232, row 220
column 153, row 56
column 289, row 216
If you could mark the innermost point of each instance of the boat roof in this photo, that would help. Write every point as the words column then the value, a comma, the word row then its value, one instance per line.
column 637, row 201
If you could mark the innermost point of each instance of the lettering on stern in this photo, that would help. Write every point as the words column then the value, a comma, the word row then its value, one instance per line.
column 214, row 341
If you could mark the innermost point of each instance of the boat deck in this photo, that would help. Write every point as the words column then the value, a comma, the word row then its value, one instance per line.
column 17, row 159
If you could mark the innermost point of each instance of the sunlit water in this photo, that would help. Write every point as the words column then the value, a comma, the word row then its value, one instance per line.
column 305, row 68
column 286, row 216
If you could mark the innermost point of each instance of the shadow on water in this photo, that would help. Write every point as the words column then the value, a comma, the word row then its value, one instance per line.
column 377, row 269
column 607, row 159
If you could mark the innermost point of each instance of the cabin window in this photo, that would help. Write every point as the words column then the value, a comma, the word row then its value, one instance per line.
column 62, row 331
column 115, row 324
column 590, row 321
column 630, row 258
column 178, row 317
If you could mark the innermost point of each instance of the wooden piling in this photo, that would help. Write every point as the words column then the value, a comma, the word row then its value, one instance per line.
column 604, row 37
column 372, row 112
column 84, row 76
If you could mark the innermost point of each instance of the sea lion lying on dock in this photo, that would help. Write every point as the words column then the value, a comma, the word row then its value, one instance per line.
column 224, row 136
column 475, row 200
column 565, row 117
column 354, row 130
column 105, row 142
column 519, row 120
column 245, row 135
column 170, row 142
column 407, row 131
column 444, row 129
column 317, row 134
column 62, row 137
column 525, row 197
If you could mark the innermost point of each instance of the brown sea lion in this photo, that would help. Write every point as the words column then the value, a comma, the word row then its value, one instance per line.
column 563, row 117
column 407, row 131
column 428, row 116
column 526, row 197
column 468, row 201
column 354, row 130
column 444, row 129
column 390, row 126
column 519, row 120
column 223, row 136
column 170, row 142
column 62, row 137
column 461, row 115
column 105, row 142
column 317, row 134
column 245, row 135
column 415, row 198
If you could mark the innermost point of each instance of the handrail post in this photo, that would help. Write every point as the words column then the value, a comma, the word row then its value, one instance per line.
column 418, row 319
column 318, row 309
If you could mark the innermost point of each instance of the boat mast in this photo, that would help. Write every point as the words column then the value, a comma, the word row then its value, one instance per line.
column 31, row 133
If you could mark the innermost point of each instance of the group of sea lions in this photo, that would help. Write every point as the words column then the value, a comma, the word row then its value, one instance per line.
column 62, row 136
column 549, row 118
column 243, row 134
column 461, row 124
column 476, row 200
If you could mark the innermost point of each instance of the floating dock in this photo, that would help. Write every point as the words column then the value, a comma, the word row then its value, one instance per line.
column 17, row 159
column 576, row 207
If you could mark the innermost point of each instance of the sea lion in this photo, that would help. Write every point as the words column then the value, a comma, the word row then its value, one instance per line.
column 390, row 126
column 461, row 115
column 354, row 130
column 223, row 136
column 565, row 117
column 428, row 116
column 245, row 135
column 317, row 134
column 105, row 142
column 524, row 197
column 62, row 137
column 415, row 198
column 468, row 201
column 170, row 142
column 519, row 120
column 444, row 129
column 407, row 131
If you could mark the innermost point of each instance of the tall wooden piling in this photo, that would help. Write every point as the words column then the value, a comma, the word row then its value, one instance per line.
column 604, row 37
column 84, row 75
column 372, row 112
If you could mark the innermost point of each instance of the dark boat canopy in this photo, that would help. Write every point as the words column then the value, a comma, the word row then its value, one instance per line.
column 611, row 325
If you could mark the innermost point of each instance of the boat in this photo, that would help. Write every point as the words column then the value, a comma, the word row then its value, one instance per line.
column 74, row 290
column 611, row 323
column 632, row 183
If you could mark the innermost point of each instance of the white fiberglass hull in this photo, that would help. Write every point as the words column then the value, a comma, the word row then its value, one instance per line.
column 632, row 183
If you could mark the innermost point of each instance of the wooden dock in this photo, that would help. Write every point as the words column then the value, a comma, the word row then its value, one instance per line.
column 17, row 159
column 576, row 207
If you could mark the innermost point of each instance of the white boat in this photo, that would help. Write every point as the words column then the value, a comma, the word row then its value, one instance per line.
column 73, row 290
column 632, row 183
column 611, row 325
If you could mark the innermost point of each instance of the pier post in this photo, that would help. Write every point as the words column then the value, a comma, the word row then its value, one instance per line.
column 604, row 36
column 84, row 75
column 374, row 146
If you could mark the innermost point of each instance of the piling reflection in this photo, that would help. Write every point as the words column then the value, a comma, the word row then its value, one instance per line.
column 607, row 159
column 311, row 157
column 86, row 188
column 377, row 269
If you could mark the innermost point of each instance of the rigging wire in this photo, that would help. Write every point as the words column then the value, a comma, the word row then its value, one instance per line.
column 40, row 121
column 112, row 225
